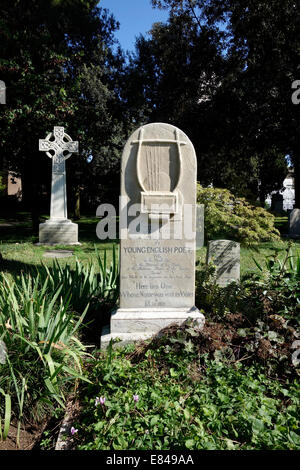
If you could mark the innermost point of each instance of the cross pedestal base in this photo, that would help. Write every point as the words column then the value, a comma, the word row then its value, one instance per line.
column 55, row 232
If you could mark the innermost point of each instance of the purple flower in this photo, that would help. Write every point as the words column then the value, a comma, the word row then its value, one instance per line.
column 100, row 401
column 73, row 430
column 136, row 398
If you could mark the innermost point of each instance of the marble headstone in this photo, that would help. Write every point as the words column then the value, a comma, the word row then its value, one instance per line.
column 200, row 226
column 225, row 255
column 58, row 230
column 294, row 223
column 157, row 272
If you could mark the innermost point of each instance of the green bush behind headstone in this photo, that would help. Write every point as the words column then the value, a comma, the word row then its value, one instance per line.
column 230, row 217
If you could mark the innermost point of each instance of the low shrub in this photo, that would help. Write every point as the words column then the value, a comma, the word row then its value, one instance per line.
column 262, row 311
column 229, row 217
column 167, row 395
column 280, row 274
column 274, row 289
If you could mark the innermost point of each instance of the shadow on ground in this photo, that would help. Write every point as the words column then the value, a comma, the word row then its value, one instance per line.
column 16, row 267
column 20, row 230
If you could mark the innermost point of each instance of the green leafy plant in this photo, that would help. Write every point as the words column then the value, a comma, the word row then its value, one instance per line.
column 171, row 397
column 280, row 276
column 95, row 284
column 277, row 267
column 227, row 216
column 44, row 353
column 41, row 315
column 7, row 415
column 214, row 300
column 260, row 316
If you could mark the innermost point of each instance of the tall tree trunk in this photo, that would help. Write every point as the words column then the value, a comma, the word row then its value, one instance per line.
column 77, row 203
column 30, row 198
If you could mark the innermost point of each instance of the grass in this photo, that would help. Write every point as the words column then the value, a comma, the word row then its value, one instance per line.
column 17, row 245
column 281, row 223
column 259, row 253
column 19, row 250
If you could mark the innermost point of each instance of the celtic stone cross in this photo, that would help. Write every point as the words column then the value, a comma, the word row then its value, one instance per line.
column 59, row 147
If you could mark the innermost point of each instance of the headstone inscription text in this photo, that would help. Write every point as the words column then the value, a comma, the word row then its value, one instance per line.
column 225, row 255
column 157, row 275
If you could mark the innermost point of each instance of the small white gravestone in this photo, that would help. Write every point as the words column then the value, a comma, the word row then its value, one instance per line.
column 157, row 264
column 58, row 230
column 294, row 223
column 225, row 255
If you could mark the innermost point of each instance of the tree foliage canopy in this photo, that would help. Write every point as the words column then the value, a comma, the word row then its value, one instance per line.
column 246, row 124
column 221, row 70
column 59, row 67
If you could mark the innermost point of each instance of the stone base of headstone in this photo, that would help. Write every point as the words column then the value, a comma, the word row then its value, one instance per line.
column 58, row 233
column 132, row 325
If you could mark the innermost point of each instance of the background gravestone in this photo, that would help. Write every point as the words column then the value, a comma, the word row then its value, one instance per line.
column 2, row 92
column 200, row 226
column 157, row 276
column 58, row 230
column 294, row 223
column 277, row 202
column 225, row 255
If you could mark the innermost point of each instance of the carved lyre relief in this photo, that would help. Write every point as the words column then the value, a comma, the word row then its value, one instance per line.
column 159, row 167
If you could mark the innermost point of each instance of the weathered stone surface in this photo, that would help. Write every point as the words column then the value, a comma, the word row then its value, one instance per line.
column 131, row 325
column 200, row 226
column 2, row 92
column 58, row 233
column 157, row 272
column 294, row 223
column 59, row 229
column 3, row 352
column 225, row 255
column 58, row 254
